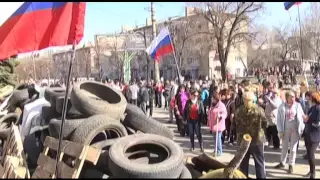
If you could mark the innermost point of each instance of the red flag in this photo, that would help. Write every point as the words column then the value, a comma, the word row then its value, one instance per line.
column 38, row 25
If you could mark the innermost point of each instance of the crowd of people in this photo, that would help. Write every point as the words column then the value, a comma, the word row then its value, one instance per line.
column 270, row 115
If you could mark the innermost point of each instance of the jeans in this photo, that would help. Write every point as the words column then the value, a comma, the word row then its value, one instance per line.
column 194, row 128
column 143, row 106
column 133, row 101
column 257, row 152
column 171, row 112
column 156, row 99
column 272, row 134
column 159, row 99
column 150, row 107
column 290, row 136
column 166, row 102
column 219, row 144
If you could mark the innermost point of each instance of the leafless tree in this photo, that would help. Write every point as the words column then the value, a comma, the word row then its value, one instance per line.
column 87, row 63
column 98, row 51
column 256, row 56
column 117, row 57
column 283, row 37
column 184, row 34
column 311, row 29
column 25, row 69
column 229, row 22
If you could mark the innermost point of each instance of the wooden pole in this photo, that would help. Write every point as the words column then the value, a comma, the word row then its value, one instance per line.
column 175, row 59
column 64, row 107
column 154, row 34
column 301, row 50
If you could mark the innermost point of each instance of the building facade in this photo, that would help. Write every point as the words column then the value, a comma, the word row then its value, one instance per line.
column 83, row 65
column 195, row 51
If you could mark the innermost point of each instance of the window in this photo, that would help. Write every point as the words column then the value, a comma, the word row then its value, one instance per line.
column 238, row 59
column 238, row 70
column 294, row 55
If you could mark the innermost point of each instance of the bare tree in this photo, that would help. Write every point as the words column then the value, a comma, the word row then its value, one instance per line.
column 311, row 27
column 183, row 34
column 117, row 57
column 256, row 56
column 229, row 22
column 283, row 37
column 87, row 61
column 98, row 51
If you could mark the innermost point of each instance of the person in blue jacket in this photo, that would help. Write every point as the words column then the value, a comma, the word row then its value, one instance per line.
column 205, row 99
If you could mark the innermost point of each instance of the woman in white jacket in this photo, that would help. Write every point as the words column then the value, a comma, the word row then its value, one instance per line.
column 290, row 126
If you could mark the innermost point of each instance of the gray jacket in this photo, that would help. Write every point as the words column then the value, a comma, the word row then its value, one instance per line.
column 173, row 91
column 281, row 118
column 271, row 110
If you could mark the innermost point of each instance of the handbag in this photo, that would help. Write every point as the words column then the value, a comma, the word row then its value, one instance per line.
column 316, row 125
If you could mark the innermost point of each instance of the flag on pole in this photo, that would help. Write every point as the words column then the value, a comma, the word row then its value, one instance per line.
column 288, row 5
column 161, row 45
column 38, row 25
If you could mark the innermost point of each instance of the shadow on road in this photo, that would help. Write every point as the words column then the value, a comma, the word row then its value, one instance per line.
column 272, row 156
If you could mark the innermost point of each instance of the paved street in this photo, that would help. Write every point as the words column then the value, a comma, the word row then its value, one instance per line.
column 271, row 156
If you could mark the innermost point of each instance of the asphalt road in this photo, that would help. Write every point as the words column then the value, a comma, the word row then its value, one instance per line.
column 271, row 156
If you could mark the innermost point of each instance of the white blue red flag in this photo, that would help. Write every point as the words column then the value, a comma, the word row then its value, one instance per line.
column 38, row 25
column 288, row 5
column 161, row 45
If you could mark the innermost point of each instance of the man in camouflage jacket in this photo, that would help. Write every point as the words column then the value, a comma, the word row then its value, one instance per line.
column 250, row 119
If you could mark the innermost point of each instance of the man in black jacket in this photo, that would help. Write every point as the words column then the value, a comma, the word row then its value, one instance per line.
column 143, row 97
column 151, row 97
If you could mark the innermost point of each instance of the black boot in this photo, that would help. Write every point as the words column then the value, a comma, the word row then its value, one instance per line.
column 192, row 146
column 201, row 146
column 312, row 175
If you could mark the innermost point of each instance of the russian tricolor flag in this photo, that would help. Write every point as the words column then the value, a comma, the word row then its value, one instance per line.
column 161, row 45
column 38, row 25
column 288, row 5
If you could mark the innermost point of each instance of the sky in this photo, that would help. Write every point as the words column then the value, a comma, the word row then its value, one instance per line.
column 108, row 17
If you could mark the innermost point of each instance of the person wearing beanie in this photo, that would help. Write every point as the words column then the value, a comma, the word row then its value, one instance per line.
column 250, row 119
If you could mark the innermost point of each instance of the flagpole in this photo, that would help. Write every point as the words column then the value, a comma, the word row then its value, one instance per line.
column 175, row 59
column 301, row 51
column 64, row 107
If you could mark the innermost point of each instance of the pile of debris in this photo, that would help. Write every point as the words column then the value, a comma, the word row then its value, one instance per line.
column 103, row 136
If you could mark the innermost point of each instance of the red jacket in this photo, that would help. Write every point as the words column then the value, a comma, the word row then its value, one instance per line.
column 158, row 89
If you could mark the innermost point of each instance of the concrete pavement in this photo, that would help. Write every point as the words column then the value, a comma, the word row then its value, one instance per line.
column 271, row 156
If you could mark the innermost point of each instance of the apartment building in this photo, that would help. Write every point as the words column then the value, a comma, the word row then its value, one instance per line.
column 84, row 64
column 198, row 56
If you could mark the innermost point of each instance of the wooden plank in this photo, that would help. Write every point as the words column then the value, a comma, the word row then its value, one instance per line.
column 11, row 162
column 41, row 174
column 47, row 164
column 93, row 155
column 1, row 171
column 70, row 148
column 18, row 139
column 79, row 164
column 13, row 145
column 6, row 146
column 20, row 172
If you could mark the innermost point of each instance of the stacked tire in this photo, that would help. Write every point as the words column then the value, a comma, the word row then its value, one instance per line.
column 99, row 116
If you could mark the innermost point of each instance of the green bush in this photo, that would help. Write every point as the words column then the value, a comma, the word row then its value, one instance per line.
column 7, row 72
